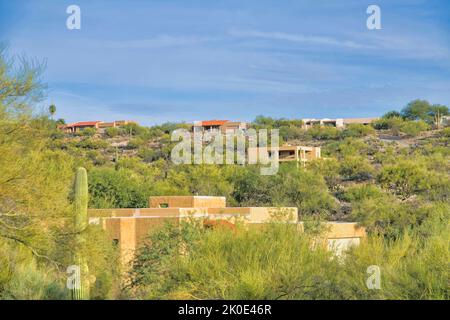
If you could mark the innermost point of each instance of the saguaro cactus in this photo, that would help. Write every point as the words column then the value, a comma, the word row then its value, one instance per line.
column 81, row 222
column 81, row 200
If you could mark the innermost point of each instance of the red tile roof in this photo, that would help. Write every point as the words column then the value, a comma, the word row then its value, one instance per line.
column 83, row 124
column 214, row 122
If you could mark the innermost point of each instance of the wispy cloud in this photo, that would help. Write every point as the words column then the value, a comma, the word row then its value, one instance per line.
column 410, row 46
column 159, row 41
column 169, row 60
column 300, row 38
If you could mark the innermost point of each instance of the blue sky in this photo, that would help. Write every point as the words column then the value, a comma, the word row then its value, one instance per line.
column 185, row 60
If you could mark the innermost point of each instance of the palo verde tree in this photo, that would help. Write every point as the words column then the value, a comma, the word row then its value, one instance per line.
column 33, row 181
column 35, row 208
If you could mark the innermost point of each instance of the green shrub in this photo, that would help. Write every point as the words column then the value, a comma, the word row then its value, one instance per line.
column 270, row 262
column 324, row 132
column 136, row 130
column 291, row 186
column 329, row 169
column 109, row 188
column 276, row 261
column 112, row 132
column 136, row 143
column 392, row 114
column 358, row 130
column 393, row 123
column 446, row 132
column 148, row 155
column 413, row 128
column 405, row 178
column 356, row 168
column 347, row 147
column 88, row 132
column 92, row 143
column 292, row 133
column 23, row 278
column 361, row 192
column 410, row 268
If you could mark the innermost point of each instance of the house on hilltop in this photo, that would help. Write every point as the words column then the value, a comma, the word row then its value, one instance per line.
column 79, row 126
column 337, row 123
column 100, row 126
column 222, row 126
column 287, row 153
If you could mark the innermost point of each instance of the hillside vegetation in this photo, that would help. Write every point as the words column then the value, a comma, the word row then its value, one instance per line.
column 392, row 178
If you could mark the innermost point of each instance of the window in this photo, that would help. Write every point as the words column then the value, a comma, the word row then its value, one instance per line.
column 163, row 205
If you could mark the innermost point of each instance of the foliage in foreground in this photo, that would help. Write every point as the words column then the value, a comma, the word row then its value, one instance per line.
column 276, row 261
column 36, row 237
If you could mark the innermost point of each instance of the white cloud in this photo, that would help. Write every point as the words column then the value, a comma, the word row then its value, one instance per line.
column 318, row 40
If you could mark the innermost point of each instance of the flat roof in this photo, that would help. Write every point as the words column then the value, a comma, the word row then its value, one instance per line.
column 213, row 122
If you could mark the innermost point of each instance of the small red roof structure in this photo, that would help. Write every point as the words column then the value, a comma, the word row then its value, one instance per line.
column 83, row 124
column 214, row 122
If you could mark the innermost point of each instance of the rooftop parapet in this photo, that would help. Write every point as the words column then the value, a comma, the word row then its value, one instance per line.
column 187, row 202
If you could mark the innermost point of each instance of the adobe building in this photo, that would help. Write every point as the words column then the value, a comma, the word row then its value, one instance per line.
column 222, row 126
column 299, row 154
column 100, row 126
column 337, row 123
column 363, row 121
column 128, row 228
column 79, row 126
column 308, row 123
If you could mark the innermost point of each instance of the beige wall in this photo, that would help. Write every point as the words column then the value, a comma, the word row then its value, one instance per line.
column 364, row 121
column 310, row 153
column 103, row 125
column 290, row 153
column 209, row 202
column 336, row 230
column 111, row 212
column 122, row 230
column 233, row 126
column 131, row 232
column 265, row 215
